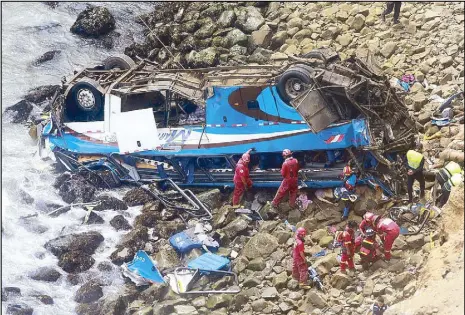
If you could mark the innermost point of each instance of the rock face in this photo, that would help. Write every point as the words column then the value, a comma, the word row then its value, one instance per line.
column 88, row 293
column 47, row 274
column 93, row 22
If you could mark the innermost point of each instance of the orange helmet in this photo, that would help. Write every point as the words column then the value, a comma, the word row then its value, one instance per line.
column 347, row 170
column 246, row 157
column 286, row 152
column 301, row 232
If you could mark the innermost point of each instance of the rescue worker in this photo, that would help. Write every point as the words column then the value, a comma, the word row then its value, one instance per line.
column 388, row 231
column 455, row 181
column 299, row 263
column 443, row 176
column 367, row 222
column 349, row 179
column 415, row 163
column 290, row 173
column 242, row 181
column 347, row 240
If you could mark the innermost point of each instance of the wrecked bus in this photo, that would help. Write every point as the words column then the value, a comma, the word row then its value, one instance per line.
column 144, row 121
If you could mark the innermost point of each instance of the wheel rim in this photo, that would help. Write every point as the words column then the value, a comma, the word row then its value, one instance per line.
column 294, row 87
column 86, row 98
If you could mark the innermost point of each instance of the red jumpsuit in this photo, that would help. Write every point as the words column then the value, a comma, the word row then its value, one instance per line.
column 347, row 238
column 388, row 230
column 364, row 225
column 299, row 265
column 289, row 171
column 242, row 172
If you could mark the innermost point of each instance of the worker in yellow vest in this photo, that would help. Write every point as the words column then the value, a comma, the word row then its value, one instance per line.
column 455, row 181
column 415, row 163
column 444, row 175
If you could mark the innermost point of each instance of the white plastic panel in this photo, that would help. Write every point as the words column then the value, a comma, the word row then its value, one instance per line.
column 136, row 131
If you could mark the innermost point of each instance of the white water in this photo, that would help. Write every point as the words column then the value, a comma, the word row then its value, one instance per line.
column 29, row 30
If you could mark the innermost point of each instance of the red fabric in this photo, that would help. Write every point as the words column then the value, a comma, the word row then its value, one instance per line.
column 364, row 225
column 300, row 272
column 389, row 231
column 299, row 265
column 347, row 238
column 289, row 171
column 241, row 172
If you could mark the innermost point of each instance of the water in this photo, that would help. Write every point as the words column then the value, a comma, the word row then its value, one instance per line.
column 29, row 30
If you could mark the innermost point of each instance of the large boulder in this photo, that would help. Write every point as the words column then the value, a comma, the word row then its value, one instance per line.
column 88, row 293
column 119, row 223
column 324, row 264
column 47, row 56
column 19, row 112
column 249, row 19
column 109, row 203
column 86, row 243
column 9, row 293
column 206, row 30
column 167, row 257
column 340, row 281
column 156, row 291
column 47, row 274
column 164, row 229
column 75, row 262
column 93, row 22
column 260, row 245
column 75, row 189
column 401, row 279
column 215, row 301
column 234, row 228
column 223, row 216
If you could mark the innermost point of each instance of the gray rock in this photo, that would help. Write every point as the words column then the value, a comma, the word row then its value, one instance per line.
column 379, row 289
column 324, row 264
column 86, row 242
column 88, row 293
column 137, row 197
column 316, row 299
column 219, row 300
column 160, row 309
column 167, row 257
column 280, row 280
column 75, row 261
column 259, row 305
column 110, row 203
column 9, row 293
column 93, row 22
column 235, row 37
column 415, row 241
column 409, row 289
column 19, row 309
column 250, row 282
column 41, row 93
column 260, row 245
column 47, row 274
column 235, row 228
column 285, row 307
column 206, row 30
column 185, row 309
column 340, row 281
column 446, row 61
column 49, row 55
column 226, row 19
column 44, row 299
column 205, row 58
column 119, row 223
column 388, row 49
column 76, row 189
column 270, row 293
column 401, row 280
column 93, row 218
column 358, row 22
column 223, row 216
column 19, row 112
column 249, row 19
column 257, row 264
column 156, row 291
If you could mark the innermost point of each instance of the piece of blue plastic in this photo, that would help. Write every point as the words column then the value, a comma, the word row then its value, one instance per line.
column 143, row 266
column 209, row 261
column 403, row 230
column 183, row 243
